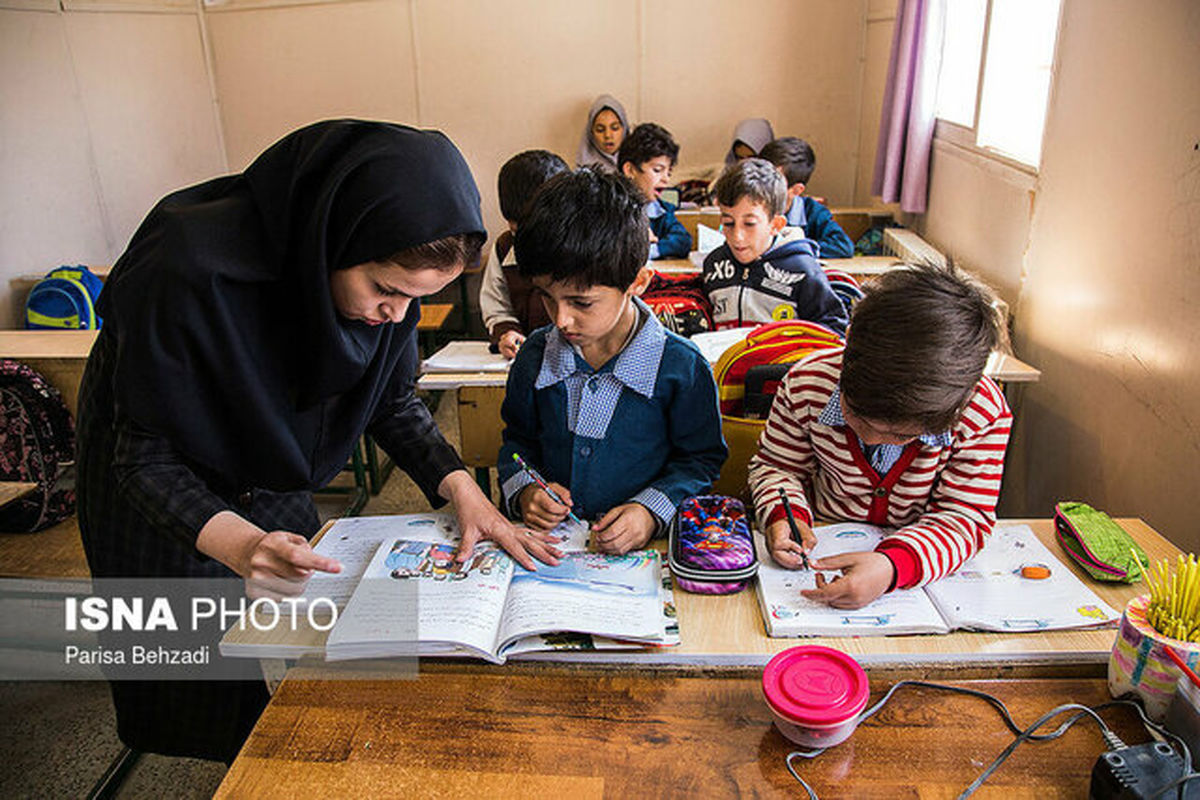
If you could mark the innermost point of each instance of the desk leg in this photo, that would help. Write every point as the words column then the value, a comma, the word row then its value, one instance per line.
column 110, row 782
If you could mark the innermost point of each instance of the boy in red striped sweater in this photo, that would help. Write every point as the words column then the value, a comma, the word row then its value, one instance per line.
column 900, row 429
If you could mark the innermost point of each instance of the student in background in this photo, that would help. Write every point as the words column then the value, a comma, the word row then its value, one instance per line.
column 795, row 159
column 606, row 128
column 764, row 272
column 618, row 414
column 900, row 428
column 750, row 136
column 510, row 306
column 646, row 157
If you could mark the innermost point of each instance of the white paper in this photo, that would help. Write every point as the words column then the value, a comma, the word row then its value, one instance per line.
column 466, row 357
column 714, row 343
column 708, row 239
column 787, row 613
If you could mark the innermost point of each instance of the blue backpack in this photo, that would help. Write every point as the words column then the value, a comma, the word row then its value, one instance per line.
column 64, row 299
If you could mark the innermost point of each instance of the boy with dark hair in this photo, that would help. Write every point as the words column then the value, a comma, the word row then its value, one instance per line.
column 618, row 414
column 647, row 156
column 509, row 305
column 764, row 272
column 796, row 160
column 900, row 429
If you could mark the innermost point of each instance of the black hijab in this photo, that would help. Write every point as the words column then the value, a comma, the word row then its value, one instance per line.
column 228, row 342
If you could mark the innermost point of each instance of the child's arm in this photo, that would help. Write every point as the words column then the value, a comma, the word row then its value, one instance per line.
column 785, row 460
column 962, row 506
column 821, row 226
column 673, row 239
column 495, row 303
column 816, row 301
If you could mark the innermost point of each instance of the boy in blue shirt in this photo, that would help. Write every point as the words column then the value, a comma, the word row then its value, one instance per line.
column 618, row 414
column 796, row 160
column 765, row 271
column 647, row 156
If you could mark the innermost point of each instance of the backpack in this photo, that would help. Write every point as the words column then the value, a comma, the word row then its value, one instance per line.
column 679, row 303
column 37, row 445
column 784, row 342
column 64, row 299
column 845, row 287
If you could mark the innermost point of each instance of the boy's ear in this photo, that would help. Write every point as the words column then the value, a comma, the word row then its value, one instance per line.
column 778, row 222
column 795, row 190
column 627, row 170
column 641, row 282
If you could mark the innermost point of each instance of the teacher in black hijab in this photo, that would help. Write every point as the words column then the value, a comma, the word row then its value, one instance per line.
column 254, row 329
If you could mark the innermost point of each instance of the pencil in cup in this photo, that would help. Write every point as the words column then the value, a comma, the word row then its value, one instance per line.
column 533, row 476
column 787, row 511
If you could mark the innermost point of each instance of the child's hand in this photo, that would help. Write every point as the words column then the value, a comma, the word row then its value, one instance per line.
column 510, row 343
column 864, row 577
column 539, row 510
column 653, row 238
column 783, row 549
column 626, row 527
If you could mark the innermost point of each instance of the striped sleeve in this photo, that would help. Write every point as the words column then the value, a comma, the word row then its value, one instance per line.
column 962, row 505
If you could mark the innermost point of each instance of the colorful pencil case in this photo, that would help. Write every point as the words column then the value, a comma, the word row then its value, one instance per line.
column 1097, row 543
column 711, row 549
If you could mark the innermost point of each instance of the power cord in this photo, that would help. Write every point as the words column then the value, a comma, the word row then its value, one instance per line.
column 1028, row 734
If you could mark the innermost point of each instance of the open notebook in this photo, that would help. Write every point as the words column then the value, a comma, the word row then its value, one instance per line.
column 398, row 567
column 988, row 593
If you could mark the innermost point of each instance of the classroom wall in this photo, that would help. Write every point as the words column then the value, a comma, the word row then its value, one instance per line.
column 1104, row 260
column 111, row 103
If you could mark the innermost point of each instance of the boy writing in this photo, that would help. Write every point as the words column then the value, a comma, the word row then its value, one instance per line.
column 508, row 303
column 764, row 272
column 619, row 415
column 647, row 156
column 795, row 159
column 899, row 429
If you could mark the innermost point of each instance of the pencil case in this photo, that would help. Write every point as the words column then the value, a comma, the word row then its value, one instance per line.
column 711, row 550
column 1098, row 544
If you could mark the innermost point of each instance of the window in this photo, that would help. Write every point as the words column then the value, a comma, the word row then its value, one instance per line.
column 1007, row 47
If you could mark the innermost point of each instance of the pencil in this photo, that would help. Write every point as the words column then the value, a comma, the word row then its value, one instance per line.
column 545, row 488
column 787, row 510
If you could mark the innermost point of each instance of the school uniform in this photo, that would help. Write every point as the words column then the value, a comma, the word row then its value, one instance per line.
column 224, row 379
column 785, row 282
column 645, row 427
column 819, row 225
column 940, row 491
column 674, row 241
column 508, row 301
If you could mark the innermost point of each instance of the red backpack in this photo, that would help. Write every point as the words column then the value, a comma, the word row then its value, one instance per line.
column 680, row 303
column 762, row 359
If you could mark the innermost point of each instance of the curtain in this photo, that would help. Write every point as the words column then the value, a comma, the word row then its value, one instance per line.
column 909, row 105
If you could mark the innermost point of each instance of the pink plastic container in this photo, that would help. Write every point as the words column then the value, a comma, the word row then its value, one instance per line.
column 816, row 694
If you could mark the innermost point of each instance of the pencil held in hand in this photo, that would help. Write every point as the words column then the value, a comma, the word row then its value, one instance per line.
column 536, row 478
column 787, row 510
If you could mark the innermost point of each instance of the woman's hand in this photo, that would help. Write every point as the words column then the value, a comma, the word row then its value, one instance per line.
column 479, row 519
column 510, row 343
column 626, row 527
column 539, row 510
column 276, row 564
column 865, row 576
column 784, row 548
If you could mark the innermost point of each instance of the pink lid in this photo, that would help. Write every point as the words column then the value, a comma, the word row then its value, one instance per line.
column 815, row 685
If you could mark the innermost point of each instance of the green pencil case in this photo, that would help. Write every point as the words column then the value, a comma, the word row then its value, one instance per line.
column 1097, row 543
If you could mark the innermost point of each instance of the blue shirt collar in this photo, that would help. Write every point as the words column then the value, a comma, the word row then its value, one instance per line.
column 654, row 209
column 636, row 366
column 832, row 416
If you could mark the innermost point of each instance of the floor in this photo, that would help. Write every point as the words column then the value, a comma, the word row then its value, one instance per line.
column 57, row 739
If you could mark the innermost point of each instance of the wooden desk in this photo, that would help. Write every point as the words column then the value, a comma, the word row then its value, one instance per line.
column 690, row 218
column 727, row 631
column 11, row 490
column 56, row 552
column 527, row 732
column 58, row 355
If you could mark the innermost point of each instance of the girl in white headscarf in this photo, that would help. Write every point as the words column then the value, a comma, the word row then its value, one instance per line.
column 602, row 136
column 752, row 134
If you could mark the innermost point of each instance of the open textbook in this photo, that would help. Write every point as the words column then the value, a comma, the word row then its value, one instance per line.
column 401, row 593
column 987, row 593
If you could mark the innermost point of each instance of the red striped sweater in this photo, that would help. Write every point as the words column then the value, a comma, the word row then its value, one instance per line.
column 941, row 500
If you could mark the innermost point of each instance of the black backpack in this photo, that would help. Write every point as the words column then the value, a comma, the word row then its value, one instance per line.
column 37, row 445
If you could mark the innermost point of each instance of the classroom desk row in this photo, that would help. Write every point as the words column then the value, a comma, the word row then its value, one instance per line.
column 690, row 721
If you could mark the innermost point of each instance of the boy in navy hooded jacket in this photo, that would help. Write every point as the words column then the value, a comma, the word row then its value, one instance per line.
column 764, row 272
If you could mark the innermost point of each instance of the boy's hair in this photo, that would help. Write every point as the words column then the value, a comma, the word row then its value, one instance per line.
column 586, row 227
column 917, row 346
column 795, row 156
column 521, row 176
column 645, row 142
column 756, row 179
column 445, row 254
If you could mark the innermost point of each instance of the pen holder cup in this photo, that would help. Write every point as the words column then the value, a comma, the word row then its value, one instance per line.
column 1139, row 662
